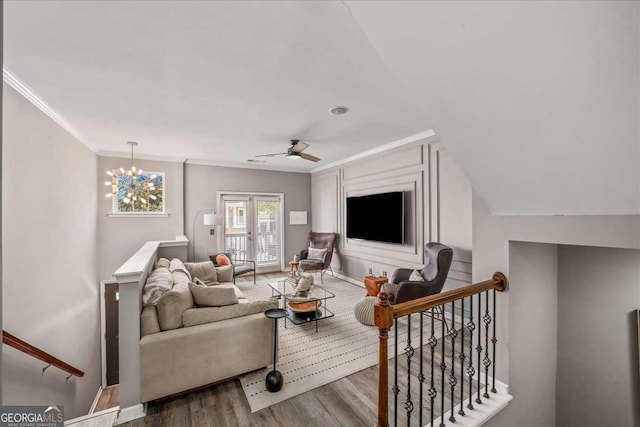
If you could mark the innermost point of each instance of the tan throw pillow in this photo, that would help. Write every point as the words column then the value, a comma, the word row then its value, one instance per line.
column 212, row 296
column 204, row 271
column 159, row 281
column 163, row 263
column 177, row 265
column 225, row 273
column 172, row 304
column 416, row 276
column 316, row 254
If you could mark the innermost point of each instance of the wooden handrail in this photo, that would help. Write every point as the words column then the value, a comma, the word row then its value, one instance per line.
column 384, row 314
column 25, row 347
column 498, row 282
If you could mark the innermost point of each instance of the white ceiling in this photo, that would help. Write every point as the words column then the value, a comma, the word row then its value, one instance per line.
column 537, row 101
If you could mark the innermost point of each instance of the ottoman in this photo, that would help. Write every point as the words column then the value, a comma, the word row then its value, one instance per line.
column 363, row 310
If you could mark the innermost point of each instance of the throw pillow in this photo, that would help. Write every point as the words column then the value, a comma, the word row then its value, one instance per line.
column 212, row 296
column 416, row 276
column 225, row 273
column 177, row 265
column 200, row 282
column 222, row 259
column 158, row 282
column 316, row 254
column 163, row 262
column 204, row 271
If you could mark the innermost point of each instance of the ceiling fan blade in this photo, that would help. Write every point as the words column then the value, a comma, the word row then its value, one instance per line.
column 270, row 155
column 299, row 147
column 309, row 157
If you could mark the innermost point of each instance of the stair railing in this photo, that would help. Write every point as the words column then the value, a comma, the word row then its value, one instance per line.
column 25, row 347
column 433, row 307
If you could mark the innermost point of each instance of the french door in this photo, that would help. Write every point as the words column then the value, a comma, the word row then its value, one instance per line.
column 252, row 225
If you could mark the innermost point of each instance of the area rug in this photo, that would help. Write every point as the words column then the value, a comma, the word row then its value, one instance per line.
column 309, row 359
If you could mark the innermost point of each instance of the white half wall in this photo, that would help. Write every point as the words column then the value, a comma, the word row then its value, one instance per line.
column 49, row 275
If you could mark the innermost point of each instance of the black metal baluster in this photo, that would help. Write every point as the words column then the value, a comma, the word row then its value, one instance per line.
column 433, row 342
column 470, row 370
column 421, row 375
column 479, row 346
column 452, row 376
column 408, row 351
column 443, row 368
column 395, row 387
column 494, row 340
column 462, row 357
column 486, row 361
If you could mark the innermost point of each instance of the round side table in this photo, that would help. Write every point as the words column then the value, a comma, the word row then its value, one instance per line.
column 274, row 379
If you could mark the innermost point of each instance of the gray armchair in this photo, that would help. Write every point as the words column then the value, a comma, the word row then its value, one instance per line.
column 318, row 241
column 438, row 259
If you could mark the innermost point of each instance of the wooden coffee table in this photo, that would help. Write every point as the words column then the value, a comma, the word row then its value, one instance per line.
column 373, row 284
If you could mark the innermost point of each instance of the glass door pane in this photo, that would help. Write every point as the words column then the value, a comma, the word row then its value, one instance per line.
column 237, row 227
column 267, row 242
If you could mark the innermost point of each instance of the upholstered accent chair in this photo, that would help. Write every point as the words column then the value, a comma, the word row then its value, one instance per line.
column 239, row 266
column 318, row 243
column 438, row 259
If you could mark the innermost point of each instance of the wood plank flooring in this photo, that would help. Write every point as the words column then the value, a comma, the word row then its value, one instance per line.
column 350, row 401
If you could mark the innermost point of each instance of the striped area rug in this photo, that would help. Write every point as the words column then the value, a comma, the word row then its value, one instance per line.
column 310, row 359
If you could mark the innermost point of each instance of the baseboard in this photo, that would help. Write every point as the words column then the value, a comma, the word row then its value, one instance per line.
column 350, row 280
column 91, row 416
column 131, row 413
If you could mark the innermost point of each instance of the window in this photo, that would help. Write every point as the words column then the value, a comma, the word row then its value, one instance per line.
column 148, row 196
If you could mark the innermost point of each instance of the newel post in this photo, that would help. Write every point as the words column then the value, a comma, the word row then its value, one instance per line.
column 383, row 316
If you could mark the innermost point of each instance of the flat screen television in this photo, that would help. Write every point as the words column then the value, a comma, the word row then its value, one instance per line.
column 376, row 217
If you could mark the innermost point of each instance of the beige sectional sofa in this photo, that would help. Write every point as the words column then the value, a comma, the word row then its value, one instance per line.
column 184, row 346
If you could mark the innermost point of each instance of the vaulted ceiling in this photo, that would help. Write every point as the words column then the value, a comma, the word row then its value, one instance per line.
column 539, row 102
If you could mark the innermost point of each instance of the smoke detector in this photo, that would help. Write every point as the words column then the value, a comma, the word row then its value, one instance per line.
column 338, row 110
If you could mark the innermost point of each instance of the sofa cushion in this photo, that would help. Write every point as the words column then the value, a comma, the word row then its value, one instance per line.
column 149, row 321
column 212, row 296
column 172, row 304
column 236, row 289
column 177, row 265
column 159, row 281
column 163, row 262
column 204, row 271
column 225, row 273
column 199, row 316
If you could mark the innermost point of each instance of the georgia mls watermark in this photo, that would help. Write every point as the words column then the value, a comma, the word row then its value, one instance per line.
column 31, row 416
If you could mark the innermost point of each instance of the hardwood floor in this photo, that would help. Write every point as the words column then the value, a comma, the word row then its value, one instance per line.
column 108, row 398
column 350, row 401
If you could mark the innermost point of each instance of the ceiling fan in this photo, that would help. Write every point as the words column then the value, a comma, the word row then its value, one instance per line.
column 294, row 152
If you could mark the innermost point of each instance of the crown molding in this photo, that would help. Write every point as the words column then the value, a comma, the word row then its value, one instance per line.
column 152, row 157
column 407, row 140
column 238, row 165
column 14, row 81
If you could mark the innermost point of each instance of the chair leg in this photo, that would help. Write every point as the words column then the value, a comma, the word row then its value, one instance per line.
column 254, row 277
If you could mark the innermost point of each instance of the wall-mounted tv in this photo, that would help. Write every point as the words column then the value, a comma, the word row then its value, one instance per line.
column 376, row 217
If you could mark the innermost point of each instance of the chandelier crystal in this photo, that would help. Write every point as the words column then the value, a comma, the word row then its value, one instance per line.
column 131, row 185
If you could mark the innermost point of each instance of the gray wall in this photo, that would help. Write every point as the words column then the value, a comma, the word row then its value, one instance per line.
column 438, row 208
column 534, row 297
column 49, row 258
column 598, row 291
column 202, row 182
column 121, row 236
column 1, row 183
column 491, row 237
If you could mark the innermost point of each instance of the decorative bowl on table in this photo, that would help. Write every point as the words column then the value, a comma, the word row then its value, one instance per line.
column 304, row 307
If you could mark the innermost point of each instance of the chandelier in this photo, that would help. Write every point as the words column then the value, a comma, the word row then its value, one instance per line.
column 130, row 186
